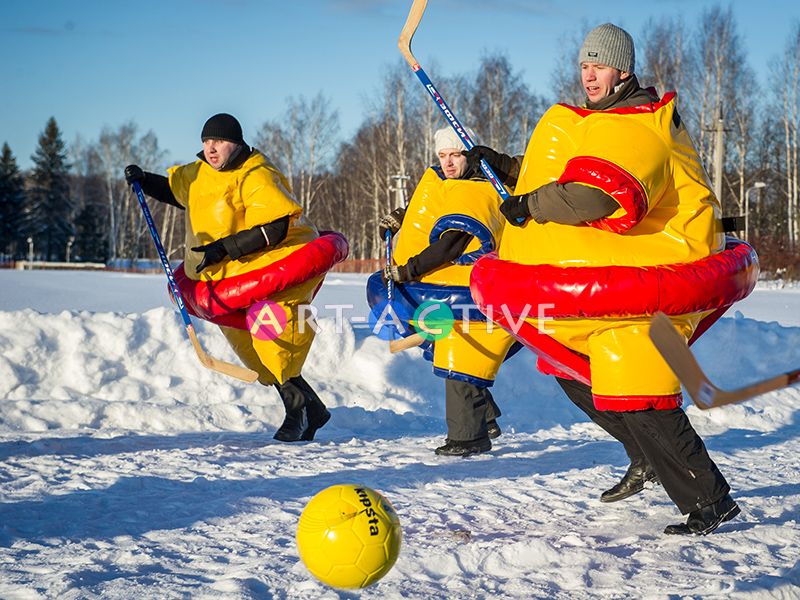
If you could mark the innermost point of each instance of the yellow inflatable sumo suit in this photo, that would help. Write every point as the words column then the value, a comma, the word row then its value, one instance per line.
column 221, row 203
column 667, row 215
column 473, row 350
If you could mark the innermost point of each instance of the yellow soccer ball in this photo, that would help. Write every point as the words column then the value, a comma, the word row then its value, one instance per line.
column 349, row 536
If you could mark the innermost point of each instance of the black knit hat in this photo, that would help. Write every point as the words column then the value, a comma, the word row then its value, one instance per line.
column 223, row 127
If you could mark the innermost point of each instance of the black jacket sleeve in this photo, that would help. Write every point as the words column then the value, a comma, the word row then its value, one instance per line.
column 445, row 250
column 257, row 238
column 157, row 187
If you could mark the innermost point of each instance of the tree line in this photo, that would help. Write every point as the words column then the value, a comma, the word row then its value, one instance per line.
column 76, row 200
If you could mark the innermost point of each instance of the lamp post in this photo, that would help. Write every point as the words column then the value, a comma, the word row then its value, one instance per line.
column 30, row 252
column 70, row 240
column 757, row 185
column 399, row 189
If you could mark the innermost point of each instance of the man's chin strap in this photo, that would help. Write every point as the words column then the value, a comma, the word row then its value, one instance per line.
column 232, row 158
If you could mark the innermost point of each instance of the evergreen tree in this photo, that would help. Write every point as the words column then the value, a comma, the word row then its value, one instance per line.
column 50, row 203
column 90, row 204
column 91, row 224
column 12, row 205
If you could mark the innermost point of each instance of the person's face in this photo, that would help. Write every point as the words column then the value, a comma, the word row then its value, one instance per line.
column 217, row 152
column 454, row 164
column 599, row 80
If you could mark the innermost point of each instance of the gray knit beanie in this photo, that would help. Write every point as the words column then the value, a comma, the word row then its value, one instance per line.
column 609, row 45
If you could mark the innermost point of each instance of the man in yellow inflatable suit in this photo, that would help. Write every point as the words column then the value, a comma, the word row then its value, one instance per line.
column 618, row 182
column 453, row 217
column 240, row 218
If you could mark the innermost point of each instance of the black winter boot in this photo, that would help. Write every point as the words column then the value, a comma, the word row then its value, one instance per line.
column 638, row 473
column 295, row 422
column 316, row 411
column 291, row 430
column 705, row 520
column 454, row 448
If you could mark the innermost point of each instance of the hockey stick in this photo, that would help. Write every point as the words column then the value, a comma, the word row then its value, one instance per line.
column 226, row 368
column 404, row 43
column 411, row 341
column 705, row 394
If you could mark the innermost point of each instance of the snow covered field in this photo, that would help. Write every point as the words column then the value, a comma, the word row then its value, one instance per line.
column 127, row 470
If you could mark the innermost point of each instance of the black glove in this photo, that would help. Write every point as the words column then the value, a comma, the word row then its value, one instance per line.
column 213, row 253
column 515, row 209
column 134, row 173
column 391, row 222
column 503, row 165
column 396, row 273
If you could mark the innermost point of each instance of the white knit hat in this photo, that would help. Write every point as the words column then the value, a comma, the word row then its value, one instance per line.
column 609, row 45
column 446, row 137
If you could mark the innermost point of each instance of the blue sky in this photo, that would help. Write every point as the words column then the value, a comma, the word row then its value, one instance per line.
column 169, row 64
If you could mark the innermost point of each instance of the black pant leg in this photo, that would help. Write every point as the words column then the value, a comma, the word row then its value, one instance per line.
column 292, row 395
column 465, row 409
column 492, row 410
column 314, row 405
column 678, row 456
column 610, row 421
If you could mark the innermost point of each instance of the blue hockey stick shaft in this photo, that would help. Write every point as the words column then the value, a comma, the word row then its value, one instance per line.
column 458, row 128
column 226, row 368
column 389, row 282
column 404, row 44
column 176, row 293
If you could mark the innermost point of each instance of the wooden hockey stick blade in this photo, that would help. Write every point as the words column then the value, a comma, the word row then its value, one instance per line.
column 226, row 368
column 412, row 22
column 405, row 343
column 705, row 394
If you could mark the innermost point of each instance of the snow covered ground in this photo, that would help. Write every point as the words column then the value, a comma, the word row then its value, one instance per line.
column 127, row 470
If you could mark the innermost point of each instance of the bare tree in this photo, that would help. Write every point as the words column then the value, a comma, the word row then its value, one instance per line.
column 664, row 54
column 765, row 165
column 501, row 106
column 116, row 149
column 787, row 71
column 361, row 175
column 302, row 143
column 714, row 86
column 742, row 117
column 395, row 142
column 565, row 78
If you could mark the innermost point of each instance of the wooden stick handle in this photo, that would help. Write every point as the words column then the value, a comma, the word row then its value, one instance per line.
column 226, row 368
column 412, row 22
column 405, row 343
